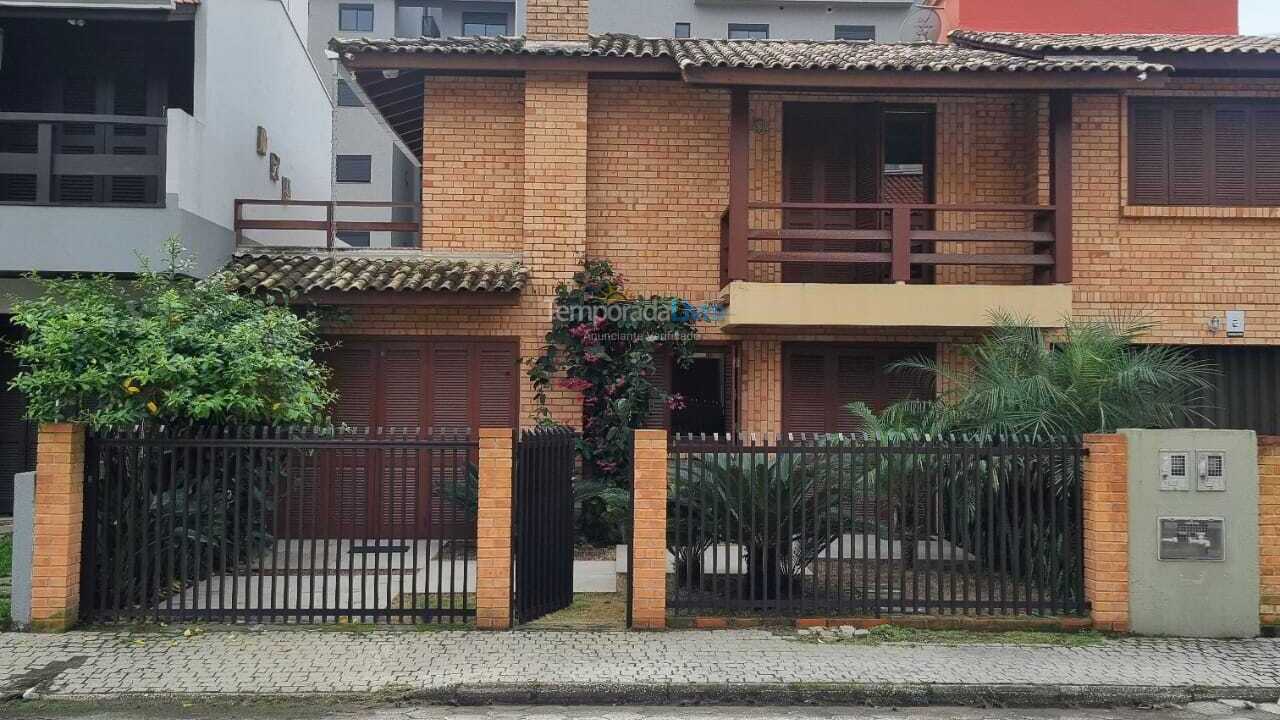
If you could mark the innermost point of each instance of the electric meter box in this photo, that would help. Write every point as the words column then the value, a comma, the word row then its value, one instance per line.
column 1193, row 532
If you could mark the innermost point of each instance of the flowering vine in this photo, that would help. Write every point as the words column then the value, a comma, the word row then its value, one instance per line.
column 605, row 346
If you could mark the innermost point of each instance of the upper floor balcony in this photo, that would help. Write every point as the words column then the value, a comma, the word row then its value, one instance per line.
column 137, row 130
column 879, row 217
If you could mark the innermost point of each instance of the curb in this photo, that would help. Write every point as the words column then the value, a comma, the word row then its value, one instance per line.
column 777, row 695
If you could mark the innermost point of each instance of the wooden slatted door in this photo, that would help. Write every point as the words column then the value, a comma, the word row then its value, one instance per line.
column 831, row 154
column 821, row 380
column 398, row 386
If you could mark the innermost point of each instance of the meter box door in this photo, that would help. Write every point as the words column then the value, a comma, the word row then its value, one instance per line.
column 1211, row 471
column 1193, row 532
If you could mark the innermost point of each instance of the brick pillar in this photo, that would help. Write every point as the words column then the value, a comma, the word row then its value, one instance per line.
column 556, row 20
column 493, row 529
column 649, row 536
column 1106, row 530
column 555, row 176
column 1269, row 527
column 59, row 522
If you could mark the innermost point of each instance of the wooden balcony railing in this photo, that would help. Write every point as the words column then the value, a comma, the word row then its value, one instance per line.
column 303, row 232
column 82, row 159
column 895, row 237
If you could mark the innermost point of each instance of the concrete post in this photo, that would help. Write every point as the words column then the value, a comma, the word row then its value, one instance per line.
column 24, row 518
column 649, row 536
column 59, row 522
column 1106, row 530
column 493, row 529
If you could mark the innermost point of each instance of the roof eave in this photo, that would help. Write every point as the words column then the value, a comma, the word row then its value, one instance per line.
column 444, row 63
column 934, row 81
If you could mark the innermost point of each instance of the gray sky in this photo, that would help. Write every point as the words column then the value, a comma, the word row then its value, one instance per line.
column 1259, row 17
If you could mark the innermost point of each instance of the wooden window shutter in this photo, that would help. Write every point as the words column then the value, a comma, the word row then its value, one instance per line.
column 1190, row 156
column 659, row 416
column 1231, row 156
column 403, row 391
column 355, row 379
column 857, row 380
column 1266, row 155
column 802, row 183
column 498, row 385
column 449, row 396
column 1148, row 154
column 805, row 392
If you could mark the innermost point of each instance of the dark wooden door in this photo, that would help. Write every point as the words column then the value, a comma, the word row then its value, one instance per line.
column 832, row 154
column 821, row 380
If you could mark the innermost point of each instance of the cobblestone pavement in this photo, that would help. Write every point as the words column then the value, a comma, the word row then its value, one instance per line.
column 300, row 712
column 317, row 661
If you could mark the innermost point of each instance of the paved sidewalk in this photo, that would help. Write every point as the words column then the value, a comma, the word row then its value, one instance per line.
column 725, row 666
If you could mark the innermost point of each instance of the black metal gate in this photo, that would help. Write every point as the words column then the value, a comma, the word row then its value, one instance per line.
column 544, row 526
column 280, row 524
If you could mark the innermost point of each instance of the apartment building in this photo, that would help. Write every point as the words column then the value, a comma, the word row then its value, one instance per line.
column 124, row 124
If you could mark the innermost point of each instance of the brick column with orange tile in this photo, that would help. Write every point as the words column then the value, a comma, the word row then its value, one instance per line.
column 1106, row 530
column 493, row 529
column 59, row 522
column 649, row 536
column 1269, row 526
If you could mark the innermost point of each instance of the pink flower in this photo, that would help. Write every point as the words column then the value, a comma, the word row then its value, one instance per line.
column 676, row 402
column 607, row 465
column 580, row 331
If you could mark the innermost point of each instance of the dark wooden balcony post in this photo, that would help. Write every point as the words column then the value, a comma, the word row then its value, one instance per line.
column 900, row 244
column 44, row 155
column 1060, row 126
column 739, row 180
column 331, row 225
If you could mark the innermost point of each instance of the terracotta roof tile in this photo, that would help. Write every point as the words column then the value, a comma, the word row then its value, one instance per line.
column 1043, row 43
column 347, row 271
column 758, row 54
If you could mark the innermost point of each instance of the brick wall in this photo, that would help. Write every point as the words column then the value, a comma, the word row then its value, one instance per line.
column 473, row 164
column 1166, row 263
column 1106, row 530
column 1269, row 526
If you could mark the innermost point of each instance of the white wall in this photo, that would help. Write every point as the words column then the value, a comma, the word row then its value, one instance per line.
column 252, row 68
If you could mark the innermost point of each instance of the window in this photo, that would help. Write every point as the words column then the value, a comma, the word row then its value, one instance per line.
column 484, row 24
column 748, row 31
column 354, row 238
column 1207, row 152
column 856, row 32
column 355, row 18
column 354, row 168
column 683, row 30
column 347, row 96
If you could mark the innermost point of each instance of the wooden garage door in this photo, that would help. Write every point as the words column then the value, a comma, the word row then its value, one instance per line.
column 406, row 385
column 820, row 380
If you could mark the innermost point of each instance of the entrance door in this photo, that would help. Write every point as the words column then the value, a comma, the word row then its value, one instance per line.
column 821, row 380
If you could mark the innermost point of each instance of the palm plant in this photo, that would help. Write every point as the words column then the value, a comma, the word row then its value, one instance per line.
column 1092, row 376
column 784, row 510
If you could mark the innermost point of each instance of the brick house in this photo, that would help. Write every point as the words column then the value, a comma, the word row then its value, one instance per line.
column 852, row 203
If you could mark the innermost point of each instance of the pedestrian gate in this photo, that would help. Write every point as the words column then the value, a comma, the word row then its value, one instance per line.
column 544, row 523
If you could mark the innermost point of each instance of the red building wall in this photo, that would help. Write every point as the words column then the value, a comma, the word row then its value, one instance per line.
column 1097, row 16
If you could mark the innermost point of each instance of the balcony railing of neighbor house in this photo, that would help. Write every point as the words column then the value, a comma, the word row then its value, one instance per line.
column 82, row 159
column 898, row 239
column 848, row 525
column 276, row 524
column 324, row 224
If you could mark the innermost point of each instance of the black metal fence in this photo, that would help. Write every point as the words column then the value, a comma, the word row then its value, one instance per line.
column 544, row 523
column 848, row 525
column 280, row 525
